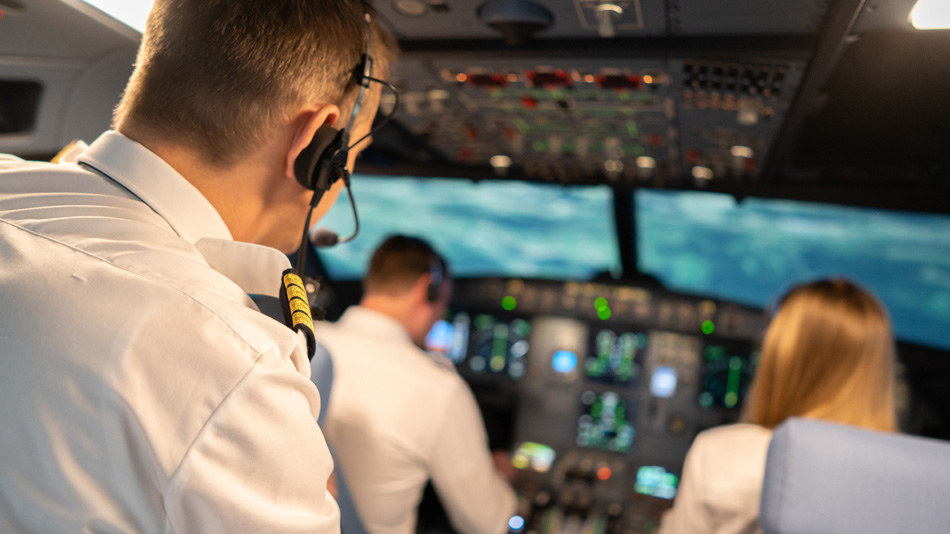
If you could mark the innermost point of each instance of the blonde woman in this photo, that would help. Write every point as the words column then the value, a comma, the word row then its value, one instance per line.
column 828, row 354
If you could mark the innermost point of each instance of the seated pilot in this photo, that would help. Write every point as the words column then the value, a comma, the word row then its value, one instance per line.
column 398, row 416
column 828, row 354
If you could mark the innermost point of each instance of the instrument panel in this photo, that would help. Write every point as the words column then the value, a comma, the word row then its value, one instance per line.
column 635, row 121
column 606, row 387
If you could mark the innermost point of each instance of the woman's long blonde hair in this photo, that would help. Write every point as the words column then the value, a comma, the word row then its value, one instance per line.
column 828, row 354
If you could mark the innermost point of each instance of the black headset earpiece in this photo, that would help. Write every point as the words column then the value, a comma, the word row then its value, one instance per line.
column 434, row 290
column 324, row 160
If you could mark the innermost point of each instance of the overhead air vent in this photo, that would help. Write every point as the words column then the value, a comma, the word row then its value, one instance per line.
column 517, row 20
column 19, row 105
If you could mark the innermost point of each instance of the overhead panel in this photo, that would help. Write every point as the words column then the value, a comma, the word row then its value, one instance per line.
column 572, row 19
column 745, row 17
column 561, row 120
column 729, row 113
column 589, row 120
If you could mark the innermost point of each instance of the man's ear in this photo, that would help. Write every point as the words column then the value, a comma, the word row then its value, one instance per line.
column 306, row 124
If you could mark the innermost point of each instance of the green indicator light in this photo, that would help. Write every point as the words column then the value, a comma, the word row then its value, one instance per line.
column 639, row 151
column 509, row 303
column 499, row 347
column 600, row 303
column 632, row 130
column 604, row 314
column 522, row 125
column 730, row 400
column 708, row 327
column 732, row 386
column 539, row 146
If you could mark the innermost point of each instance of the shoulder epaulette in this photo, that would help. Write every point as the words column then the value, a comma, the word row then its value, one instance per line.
column 296, row 306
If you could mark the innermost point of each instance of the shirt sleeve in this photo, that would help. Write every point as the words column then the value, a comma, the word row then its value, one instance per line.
column 689, row 513
column 475, row 497
column 260, row 464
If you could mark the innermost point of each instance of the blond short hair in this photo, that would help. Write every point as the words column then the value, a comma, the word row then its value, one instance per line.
column 828, row 354
column 221, row 75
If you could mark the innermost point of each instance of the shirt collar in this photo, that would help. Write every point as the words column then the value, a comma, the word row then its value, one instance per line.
column 375, row 323
column 156, row 183
column 255, row 268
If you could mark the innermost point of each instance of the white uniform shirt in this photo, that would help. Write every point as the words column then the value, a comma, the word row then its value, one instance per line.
column 140, row 389
column 396, row 419
column 721, row 486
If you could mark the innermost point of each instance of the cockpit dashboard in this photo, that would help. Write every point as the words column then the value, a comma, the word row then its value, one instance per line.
column 598, row 389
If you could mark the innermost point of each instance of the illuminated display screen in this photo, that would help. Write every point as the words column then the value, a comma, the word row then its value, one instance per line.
column 534, row 455
column 663, row 382
column 616, row 357
column 499, row 346
column 604, row 423
column 655, row 481
column 564, row 361
column 490, row 228
column 708, row 244
column 727, row 375
column 450, row 337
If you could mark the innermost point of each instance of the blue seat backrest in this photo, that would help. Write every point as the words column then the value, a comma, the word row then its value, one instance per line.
column 350, row 522
column 321, row 374
column 827, row 478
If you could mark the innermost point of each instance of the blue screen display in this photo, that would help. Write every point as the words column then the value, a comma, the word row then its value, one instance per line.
column 489, row 228
column 663, row 382
column 707, row 243
column 564, row 361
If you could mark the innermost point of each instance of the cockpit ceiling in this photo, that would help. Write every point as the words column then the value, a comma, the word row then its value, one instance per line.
column 687, row 93
column 577, row 19
column 751, row 97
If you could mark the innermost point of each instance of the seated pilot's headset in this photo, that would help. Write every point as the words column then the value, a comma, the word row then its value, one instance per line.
column 436, row 274
column 324, row 160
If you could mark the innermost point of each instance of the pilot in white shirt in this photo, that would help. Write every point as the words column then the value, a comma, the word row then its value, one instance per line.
column 722, row 482
column 399, row 416
column 141, row 390
column 827, row 354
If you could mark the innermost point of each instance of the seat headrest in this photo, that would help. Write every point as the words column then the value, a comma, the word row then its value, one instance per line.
column 827, row 478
